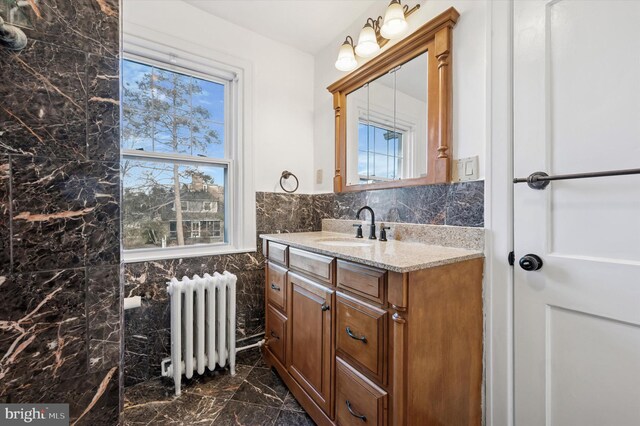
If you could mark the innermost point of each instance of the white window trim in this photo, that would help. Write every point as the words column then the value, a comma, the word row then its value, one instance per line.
column 154, row 48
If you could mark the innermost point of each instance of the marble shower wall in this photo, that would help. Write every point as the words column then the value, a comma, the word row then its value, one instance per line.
column 59, row 211
column 147, row 329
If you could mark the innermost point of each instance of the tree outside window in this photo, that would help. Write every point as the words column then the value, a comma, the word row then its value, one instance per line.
column 177, row 121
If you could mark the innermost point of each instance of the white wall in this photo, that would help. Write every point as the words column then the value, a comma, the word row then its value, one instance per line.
column 469, row 82
column 282, row 82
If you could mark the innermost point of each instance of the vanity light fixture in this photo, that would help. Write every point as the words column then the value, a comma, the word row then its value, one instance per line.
column 368, row 40
column 395, row 22
column 374, row 35
column 346, row 58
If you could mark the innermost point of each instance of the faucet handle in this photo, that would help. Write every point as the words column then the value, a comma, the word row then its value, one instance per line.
column 358, row 231
column 383, row 232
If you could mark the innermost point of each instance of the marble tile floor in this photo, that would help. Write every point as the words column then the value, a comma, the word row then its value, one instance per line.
column 255, row 396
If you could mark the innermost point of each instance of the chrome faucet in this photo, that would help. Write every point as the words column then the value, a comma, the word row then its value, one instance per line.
column 372, row 231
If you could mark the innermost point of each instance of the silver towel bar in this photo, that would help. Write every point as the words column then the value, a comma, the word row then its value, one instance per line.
column 540, row 180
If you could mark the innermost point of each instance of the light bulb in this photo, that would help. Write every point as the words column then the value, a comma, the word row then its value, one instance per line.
column 394, row 23
column 346, row 59
column 367, row 42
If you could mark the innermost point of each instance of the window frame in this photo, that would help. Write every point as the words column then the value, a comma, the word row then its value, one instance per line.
column 405, row 140
column 239, row 208
column 378, row 116
column 195, row 234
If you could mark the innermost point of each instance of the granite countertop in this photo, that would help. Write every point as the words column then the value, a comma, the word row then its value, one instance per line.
column 397, row 256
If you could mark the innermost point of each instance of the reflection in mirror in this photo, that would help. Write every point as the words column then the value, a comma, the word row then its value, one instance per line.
column 387, row 126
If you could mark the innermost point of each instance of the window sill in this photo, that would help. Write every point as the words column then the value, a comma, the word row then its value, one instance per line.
column 144, row 255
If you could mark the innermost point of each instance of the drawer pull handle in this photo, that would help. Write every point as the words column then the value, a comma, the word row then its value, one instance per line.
column 361, row 417
column 325, row 307
column 275, row 287
column 275, row 336
column 363, row 339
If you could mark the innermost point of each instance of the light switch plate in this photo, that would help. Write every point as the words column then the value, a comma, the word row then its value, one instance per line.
column 466, row 169
column 319, row 176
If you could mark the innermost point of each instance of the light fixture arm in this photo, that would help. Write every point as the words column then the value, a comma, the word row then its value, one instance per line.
column 408, row 11
column 375, row 23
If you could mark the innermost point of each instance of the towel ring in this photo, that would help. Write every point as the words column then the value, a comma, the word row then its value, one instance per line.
column 286, row 175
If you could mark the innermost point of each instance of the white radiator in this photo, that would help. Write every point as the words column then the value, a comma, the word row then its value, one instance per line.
column 203, row 325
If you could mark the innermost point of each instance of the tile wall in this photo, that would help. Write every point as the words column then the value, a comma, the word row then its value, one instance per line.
column 59, row 210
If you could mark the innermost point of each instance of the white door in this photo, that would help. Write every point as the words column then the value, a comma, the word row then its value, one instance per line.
column 577, row 109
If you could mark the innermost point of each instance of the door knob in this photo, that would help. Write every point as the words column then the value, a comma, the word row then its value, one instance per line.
column 530, row 262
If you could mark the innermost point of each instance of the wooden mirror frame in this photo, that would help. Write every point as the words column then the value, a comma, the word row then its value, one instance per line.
column 434, row 37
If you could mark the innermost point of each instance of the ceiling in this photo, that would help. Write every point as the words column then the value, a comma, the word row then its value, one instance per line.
column 308, row 25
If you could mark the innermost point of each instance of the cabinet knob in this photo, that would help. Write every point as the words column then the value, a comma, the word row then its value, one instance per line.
column 325, row 307
column 353, row 413
column 363, row 339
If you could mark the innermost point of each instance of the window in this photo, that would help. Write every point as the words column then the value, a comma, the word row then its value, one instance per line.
column 211, row 228
column 183, row 145
column 380, row 153
column 195, row 229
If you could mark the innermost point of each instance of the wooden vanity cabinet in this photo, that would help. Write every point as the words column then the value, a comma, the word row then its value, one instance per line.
column 361, row 336
column 310, row 345
column 358, row 400
column 276, row 289
column 367, row 346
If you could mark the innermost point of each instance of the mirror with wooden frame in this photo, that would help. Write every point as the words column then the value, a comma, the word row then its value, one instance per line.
column 393, row 114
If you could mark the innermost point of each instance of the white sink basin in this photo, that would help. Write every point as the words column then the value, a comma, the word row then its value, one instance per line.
column 344, row 243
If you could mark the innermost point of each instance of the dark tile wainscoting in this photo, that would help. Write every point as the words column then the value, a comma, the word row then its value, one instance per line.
column 59, row 211
column 457, row 204
column 147, row 331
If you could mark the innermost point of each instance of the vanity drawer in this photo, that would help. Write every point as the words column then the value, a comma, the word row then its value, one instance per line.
column 277, row 286
column 316, row 265
column 276, row 333
column 277, row 252
column 363, row 281
column 361, row 331
column 358, row 401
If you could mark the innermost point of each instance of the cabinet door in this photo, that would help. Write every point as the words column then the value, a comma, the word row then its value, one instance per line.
column 277, row 286
column 309, row 347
